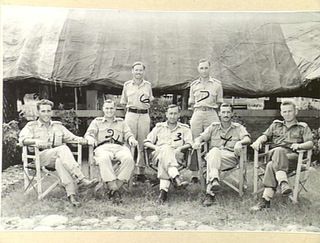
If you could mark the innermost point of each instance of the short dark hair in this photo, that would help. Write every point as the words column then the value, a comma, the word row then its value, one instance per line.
column 226, row 105
column 204, row 60
column 174, row 106
column 44, row 102
column 138, row 63
column 108, row 101
column 288, row 102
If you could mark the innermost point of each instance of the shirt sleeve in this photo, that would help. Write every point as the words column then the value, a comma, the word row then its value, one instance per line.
column 243, row 132
column 220, row 94
column 151, row 98
column 206, row 134
column 25, row 133
column 188, row 136
column 124, row 98
column 92, row 131
column 307, row 134
column 68, row 137
column 126, row 131
column 191, row 96
column 152, row 136
column 269, row 131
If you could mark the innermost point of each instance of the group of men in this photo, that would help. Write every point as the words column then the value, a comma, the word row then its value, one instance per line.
column 111, row 137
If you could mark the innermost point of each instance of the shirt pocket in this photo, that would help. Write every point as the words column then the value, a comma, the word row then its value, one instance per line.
column 105, row 133
column 296, row 136
column 57, row 138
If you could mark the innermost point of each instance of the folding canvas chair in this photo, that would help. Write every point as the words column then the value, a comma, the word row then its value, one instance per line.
column 35, row 174
column 227, row 177
column 153, row 165
column 94, row 168
column 300, row 174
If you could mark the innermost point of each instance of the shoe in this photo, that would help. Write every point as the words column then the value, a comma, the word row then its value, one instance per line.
column 262, row 204
column 215, row 185
column 162, row 197
column 141, row 178
column 72, row 199
column 285, row 188
column 195, row 180
column 209, row 200
column 177, row 183
column 86, row 184
column 115, row 196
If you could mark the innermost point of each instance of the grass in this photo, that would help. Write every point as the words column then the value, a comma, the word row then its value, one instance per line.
column 230, row 212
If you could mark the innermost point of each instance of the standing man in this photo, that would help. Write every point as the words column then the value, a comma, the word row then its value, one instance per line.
column 205, row 96
column 137, row 95
column 49, row 136
column 168, row 140
column 287, row 137
column 108, row 134
column 226, row 139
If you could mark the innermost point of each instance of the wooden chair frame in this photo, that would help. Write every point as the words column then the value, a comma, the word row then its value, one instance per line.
column 226, row 175
column 31, row 162
column 301, row 173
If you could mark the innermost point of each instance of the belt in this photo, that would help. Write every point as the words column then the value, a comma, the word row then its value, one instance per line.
column 138, row 111
column 205, row 109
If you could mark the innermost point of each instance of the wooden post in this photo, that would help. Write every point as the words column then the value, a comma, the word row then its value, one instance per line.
column 174, row 99
column 92, row 100
column 185, row 98
column 75, row 99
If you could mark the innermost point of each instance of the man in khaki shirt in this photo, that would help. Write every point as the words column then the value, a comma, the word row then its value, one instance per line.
column 206, row 94
column 226, row 139
column 287, row 137
column 109, row 134
column 49, row 136
column 168, row 140
column 137, row 95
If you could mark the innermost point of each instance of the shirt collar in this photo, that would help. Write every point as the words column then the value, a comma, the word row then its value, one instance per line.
column 142, row 83
column 104, row 119
column 294, row 124
column 232, row 125
column 40, row 124
column 177, row 126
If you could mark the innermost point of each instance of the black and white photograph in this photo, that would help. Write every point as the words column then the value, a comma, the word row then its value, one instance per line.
column 136, row 120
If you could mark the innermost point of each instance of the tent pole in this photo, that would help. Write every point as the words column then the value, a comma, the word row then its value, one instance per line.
column 75, row 99
column 76, row 103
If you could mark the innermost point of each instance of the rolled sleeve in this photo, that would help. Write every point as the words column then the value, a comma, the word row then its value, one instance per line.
column 151, row 94
column 26, row 133
column 243, row 132
column 152, row 136
column 206, row 134
column 220, row 94
column 269, row 131
column 307, row 134
column 68, row 137
column 124, row 98
column 191, row 96
column 92, row 131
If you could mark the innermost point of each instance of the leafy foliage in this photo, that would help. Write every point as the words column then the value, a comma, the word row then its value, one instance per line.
column 158, row 110
column 316, row 145
column 70, row 120
column 11, row 153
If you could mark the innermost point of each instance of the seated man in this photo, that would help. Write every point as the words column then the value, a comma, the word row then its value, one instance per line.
column 168, row 139
column 108, row 134
column 226, row 139
column 49, row 137
column 286, row 137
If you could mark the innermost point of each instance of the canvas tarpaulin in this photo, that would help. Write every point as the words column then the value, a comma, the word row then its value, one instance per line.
column 253, row 54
